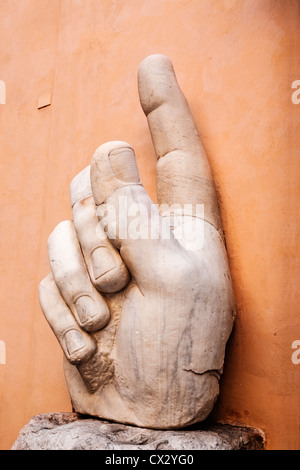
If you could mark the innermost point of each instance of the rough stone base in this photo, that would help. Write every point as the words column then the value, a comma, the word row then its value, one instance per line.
column 70, row 431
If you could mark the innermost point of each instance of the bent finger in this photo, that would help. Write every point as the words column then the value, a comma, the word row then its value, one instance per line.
column 77, row 345
column 134, row 224
column 105, row 265
column 71, row 276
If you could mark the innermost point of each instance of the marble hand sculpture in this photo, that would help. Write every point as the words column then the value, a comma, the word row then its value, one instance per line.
column 140, row 296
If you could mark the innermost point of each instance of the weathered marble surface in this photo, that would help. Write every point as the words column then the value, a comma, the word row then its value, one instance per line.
column 67, row 431
column 142, row 302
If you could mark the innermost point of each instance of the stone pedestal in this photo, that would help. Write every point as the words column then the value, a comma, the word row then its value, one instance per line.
column 70, row 431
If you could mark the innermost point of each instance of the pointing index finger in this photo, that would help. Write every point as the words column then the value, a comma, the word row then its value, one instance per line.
column 183, row 171
column 171, row 123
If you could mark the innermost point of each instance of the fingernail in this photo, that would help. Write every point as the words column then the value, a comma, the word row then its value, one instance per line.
column 74, row 341
column 80, row 187
column 123, row 164
column 86, row 308
column 102, row 261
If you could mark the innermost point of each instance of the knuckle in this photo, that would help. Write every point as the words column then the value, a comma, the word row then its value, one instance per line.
column 114, row 280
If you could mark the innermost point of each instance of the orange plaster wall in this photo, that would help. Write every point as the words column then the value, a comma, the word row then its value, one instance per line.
column 236, row 61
